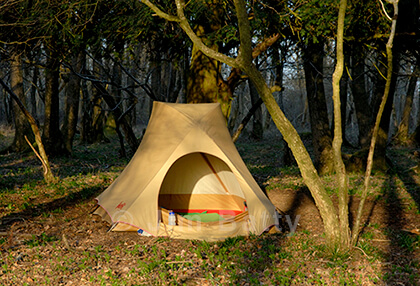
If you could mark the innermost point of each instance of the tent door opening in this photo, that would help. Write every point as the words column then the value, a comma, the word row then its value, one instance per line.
column 201, row 183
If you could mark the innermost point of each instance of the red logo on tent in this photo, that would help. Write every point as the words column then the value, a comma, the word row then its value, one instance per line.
column 120, row 205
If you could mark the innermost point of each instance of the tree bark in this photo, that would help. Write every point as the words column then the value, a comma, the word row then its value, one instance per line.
column 52, row 137
column 320, row 127
column 72, row 102
column 245, row 120
column 93, row 118
column 35, row 77
column 402, row 137
column 343, row 197
column 308, row 171
column 119, row 116
column 360, row 95
column 22, row 126
column 257, row 122
column 383, row 132
column 48, row 175
column 343, row 99
column 205, row 83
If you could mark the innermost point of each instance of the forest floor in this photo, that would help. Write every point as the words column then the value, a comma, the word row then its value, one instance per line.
column 48, row 235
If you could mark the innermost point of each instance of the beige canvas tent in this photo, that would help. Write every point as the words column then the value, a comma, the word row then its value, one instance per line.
column 187, row 163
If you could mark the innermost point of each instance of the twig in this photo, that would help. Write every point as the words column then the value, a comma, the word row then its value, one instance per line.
column 383, row 8
column 25, row 235
column 37, row 154
column 362, row 251
column 176, row 262
column 66, row 243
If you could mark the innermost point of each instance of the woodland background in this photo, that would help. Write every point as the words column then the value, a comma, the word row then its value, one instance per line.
column 79, row 65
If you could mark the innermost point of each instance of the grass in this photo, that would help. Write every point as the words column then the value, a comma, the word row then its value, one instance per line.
column 50, row 238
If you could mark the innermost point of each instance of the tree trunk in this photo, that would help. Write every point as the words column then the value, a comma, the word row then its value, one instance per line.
column 117, row 95
column 132, row 116
column 93, row 118
column 205, row 83
column 52, row 137
column 379, row 115
column 42, row 155
column 321, row 133
column 34, row 109
column 251, row 112
column 119, row 116
column 402, row 137
column 343, row 99
column 383, row 132
column 308, row 171
column 343, row 196
column 156, row 74
column 174, row 81
column 85, row 114
column 257, row 123
column 72, row 102
column 360, row 95
column 8, row 109
column 306, row 167
column 279, row 59
column 22, row 127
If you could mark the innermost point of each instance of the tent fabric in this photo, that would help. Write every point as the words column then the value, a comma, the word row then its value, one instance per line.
column 187, row 162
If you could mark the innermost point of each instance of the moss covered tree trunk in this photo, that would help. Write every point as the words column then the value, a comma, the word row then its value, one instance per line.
column 341, row 175
column 205, row 83
column 304, row 161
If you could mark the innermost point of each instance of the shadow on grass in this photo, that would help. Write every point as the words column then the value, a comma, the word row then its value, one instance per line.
column 85, row 194
column 400, row 259
column 411, row 185
column 259, row 262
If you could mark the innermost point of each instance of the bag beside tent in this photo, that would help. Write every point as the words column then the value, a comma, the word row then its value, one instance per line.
column 188, row 163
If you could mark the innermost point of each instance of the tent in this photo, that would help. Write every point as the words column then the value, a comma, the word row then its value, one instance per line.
column 187, row 163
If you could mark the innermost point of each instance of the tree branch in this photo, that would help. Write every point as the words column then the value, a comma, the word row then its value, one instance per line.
column 184, row 24
column 356, row 228
column 245, row 49
column 159, row 12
